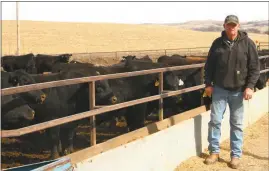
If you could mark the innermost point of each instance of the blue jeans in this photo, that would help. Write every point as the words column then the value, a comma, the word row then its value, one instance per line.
column 220, row 98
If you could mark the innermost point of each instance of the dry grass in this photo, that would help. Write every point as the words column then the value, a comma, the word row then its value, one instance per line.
column 57, row 37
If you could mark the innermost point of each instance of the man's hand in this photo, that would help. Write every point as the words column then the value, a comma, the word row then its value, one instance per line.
column 209, row 91
column 248, row 93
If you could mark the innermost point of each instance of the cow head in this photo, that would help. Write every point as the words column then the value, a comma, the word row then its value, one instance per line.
column 20, row 78
column 127, row 58
column 103, row 92
column 172, row 82
column 15, row 112
column 31, row 68
column 65, row 58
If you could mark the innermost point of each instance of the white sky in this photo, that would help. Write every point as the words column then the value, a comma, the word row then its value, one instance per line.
column 134, row 12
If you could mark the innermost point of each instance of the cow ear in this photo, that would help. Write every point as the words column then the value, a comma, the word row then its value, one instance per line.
column 14, row 80
column 157, row 83
column 98, row 73
column 133, row 57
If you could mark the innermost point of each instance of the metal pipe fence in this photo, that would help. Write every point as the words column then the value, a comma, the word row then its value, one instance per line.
column 96, row 110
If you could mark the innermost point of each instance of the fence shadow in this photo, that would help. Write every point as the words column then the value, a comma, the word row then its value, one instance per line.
column 248, row 154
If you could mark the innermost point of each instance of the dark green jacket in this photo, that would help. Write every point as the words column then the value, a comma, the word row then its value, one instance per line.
column 232, row 67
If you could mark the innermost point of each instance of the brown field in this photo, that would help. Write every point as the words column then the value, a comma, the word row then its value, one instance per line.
column 60, row 37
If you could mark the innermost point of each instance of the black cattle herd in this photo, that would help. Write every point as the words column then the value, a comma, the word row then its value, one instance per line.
column 38, row 106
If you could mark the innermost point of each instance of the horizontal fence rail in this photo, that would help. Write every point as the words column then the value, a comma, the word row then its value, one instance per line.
column 146, row 50
column 26, row 88
column 262, row 57
column 263, row 71
column 262, row 44
column 60, row 121
column 101, row 109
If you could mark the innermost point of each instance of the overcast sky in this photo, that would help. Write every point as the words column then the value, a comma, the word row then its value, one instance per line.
column 134, row 12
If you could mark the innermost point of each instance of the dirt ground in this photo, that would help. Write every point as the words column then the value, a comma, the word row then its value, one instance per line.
column 255, row 152
column 29, row 149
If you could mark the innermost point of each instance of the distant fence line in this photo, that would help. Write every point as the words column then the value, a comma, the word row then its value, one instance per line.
column 153, row 54
column 262, row 45
column 195, row 51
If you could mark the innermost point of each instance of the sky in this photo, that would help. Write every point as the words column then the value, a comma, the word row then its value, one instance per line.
column 134, row 12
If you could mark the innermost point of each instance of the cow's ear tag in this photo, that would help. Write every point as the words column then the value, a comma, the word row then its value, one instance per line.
column 204, row 94
column 157, row 83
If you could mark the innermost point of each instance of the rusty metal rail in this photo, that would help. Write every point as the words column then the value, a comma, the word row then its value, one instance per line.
column 96, row 110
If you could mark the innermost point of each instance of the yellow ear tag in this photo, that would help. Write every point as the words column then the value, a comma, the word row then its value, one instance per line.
column 121, row 124
column 204, row 95
column 157, row 83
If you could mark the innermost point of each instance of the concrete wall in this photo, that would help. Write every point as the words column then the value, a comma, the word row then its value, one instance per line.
column 166, row 149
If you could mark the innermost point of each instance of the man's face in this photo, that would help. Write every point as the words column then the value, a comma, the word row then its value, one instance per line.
column 231, row 28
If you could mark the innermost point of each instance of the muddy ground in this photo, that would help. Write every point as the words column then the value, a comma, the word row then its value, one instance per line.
column 33, row 148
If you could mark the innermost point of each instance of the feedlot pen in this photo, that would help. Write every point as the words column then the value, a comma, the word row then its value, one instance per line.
column 163, row 144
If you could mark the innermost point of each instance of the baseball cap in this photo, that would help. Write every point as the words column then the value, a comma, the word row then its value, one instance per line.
column 231, row 19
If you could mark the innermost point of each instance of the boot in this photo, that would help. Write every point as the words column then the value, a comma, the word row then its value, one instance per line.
column 212, row 158
column 234, row 163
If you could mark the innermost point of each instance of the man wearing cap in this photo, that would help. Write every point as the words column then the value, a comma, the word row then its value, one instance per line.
column 231, row 71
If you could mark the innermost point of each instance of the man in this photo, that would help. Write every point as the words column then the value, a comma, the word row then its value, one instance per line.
column 231, row 71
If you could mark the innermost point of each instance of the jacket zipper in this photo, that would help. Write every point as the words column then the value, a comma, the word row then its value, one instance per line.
column 228, row 61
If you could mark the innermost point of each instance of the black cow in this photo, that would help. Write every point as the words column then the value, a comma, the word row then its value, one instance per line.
column 44, row 63
column 190, row 78
column 178, row 56
column 15, row 111
column 70, row 66
column 130, row 57
column 65, row 101
column 170, row 80
column 126, row 89
column 25, row 62
column 19, row 78
column 178, row 61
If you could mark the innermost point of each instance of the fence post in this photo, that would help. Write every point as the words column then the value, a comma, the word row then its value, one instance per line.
column 92, row 118
column 165, row 52
column 258, row 45
column 161, row 99
column 116, row 55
